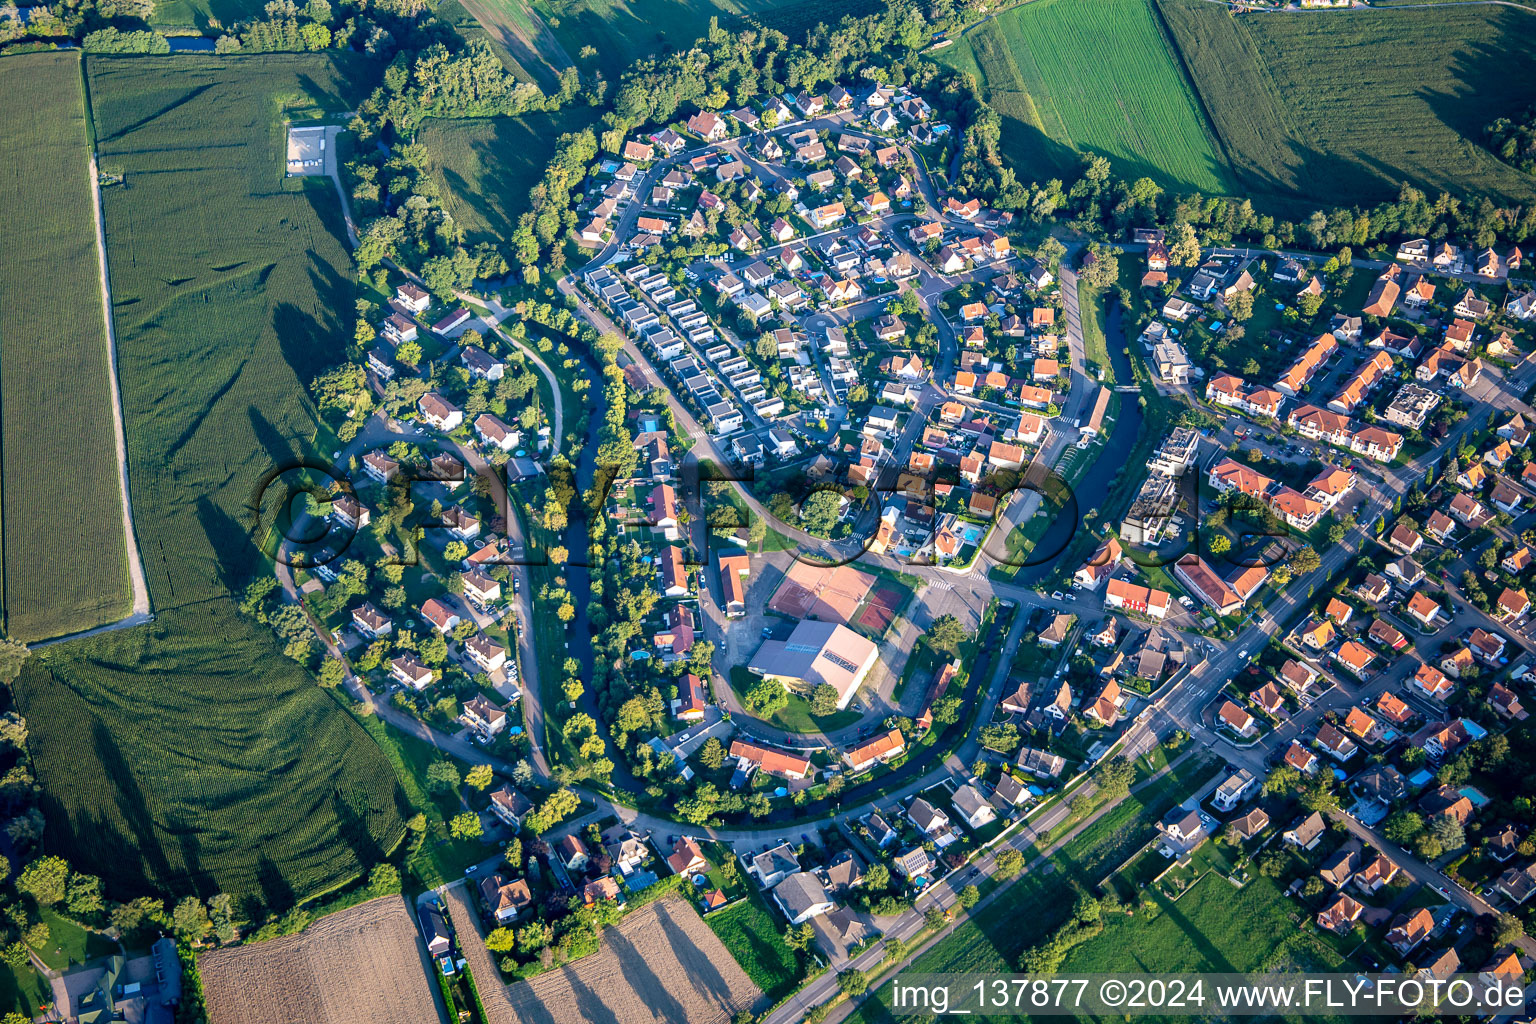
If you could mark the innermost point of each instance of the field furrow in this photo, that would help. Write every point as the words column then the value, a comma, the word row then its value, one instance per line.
column 65, row 561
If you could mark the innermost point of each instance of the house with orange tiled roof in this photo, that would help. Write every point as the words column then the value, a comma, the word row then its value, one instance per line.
column 1387, row 635
column 1409, row 930
column 1300, row 758
column 1354, row 656
column 1268, row 698
column 1458, row 661
column 1340, row 915
column 1339, row 611
column 1433, row 683
column 1425, row 610
column 1512, row 604
column 1394, row 709
column 1317, row 634
column 1439, row 526
column 1335, row 743
column 877, row 751
column 773, row 762
column 1237, row 719
column 1361, row 725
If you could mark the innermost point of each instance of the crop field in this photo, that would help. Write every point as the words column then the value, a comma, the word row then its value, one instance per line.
column 485, row 166
column 1345, row 106
column 523, row 42
column 190, row 753
column 65, row 563
column 203, row 15
column 623, row 31
column 659, row 965
column 366, row 963
column 1073, row 78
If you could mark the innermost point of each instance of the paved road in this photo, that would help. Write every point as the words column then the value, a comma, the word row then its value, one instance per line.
column 945, row 893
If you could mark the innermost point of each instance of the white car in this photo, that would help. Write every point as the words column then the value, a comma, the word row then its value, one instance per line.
column 1243, row 653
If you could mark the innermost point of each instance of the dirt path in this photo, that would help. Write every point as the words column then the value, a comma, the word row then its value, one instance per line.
column 140, row 613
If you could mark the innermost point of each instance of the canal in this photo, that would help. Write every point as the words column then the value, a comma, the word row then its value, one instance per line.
column 1070, row 506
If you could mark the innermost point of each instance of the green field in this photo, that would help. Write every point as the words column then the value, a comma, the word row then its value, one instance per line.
column 65, row 560
column 991, row 940
column 1214, row 926
column 755, row 937
column 1342, row 107
column 622, row 31
column 207, row 16
column 1072, row 78
column 485, row 166
column 190, row 753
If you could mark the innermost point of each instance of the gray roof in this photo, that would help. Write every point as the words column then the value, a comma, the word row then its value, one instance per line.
column 800, row 892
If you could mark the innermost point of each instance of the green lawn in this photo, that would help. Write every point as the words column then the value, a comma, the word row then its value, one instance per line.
column 1074, row 78
column 796, row 715
column 23, row 989
column 755, row 937
column 69, row 944
column 1321, row 105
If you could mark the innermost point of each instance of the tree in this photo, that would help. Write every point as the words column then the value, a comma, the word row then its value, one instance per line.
column 945, row 634
column 819, row 512
column 465, row 825
column 532, row 937
column 408, row 352
column 45, row 880
column 1448, row 832
column 1282, row 780
column 712, row 754
column 82, row 897
column 765, row 698
column 877, row 878
column 1114, row 779
column 969, row 896
column 14, row 653
column 1403, row 827
column 1507, row 930
column 824, row 699
column 1008, row 863
column 501, row 940
column 442, row 777
column 1183, row 246
column 190, row 919
column 1240, row 306
column 799, row 938
column 480, row 776
column 1305, row 560
column 854, row 982
column 1219, row 544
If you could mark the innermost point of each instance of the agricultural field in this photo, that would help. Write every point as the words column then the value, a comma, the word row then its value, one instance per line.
column 623, row 31
column 523, row 42
column 366, row 963
column 65, row 559
column 1322, row 108
column 1136, row 107
column 190, row 753
column 660, row 963
column 485, row 166
column 206, row 16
